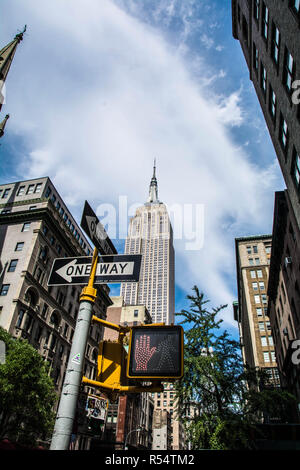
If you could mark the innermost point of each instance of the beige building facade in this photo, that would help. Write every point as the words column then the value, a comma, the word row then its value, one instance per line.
column 162, row 430
column 251, row 311
column 35, row 228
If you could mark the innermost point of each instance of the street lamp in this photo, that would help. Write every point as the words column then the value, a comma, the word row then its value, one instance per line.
column 130, row 432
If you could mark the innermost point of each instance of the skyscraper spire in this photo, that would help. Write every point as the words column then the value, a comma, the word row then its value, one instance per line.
column 153, row 190
column 7, row 54
column 3, row 124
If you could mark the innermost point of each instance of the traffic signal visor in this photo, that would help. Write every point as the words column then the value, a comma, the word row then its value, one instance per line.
column 155, row 352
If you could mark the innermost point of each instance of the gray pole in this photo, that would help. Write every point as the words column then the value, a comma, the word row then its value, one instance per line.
column 70, row 391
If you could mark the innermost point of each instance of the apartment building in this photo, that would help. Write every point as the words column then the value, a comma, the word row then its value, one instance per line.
column 284, row 295
column 269, row 34
column 35, row 228
column 253, row 264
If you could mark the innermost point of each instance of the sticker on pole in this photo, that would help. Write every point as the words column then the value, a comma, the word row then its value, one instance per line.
column 76, row 359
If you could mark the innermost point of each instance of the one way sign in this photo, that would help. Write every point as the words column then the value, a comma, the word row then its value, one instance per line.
column 110, row 269
column 96, row 232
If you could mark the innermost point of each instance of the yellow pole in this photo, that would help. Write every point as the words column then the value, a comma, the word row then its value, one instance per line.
column 89, row 293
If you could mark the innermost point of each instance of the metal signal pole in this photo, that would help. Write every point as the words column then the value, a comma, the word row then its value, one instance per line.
column 73, row 378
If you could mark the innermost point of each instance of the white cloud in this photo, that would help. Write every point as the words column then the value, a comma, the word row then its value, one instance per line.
column 230, row 111
column 98, row 94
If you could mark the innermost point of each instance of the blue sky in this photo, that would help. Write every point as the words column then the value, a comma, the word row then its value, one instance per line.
column 98, row 89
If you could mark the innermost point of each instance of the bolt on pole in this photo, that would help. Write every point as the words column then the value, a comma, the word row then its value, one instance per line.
column 68, row 401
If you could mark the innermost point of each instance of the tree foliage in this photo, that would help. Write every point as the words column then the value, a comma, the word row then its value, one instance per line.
column 219, row 400
column 27, row 393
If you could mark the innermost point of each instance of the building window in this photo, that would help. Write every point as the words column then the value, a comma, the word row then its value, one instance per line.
column 245, row 30
column 255, row 58
column 270, row 338
column 262, row 286
column 253, row 274
column 66, row 328
column 136, row 313
column 266, row 357
column 257, row 261
column 45, row 310
column 48, row 192
column 261, row 326
column 30, row 189
column 265, row 21
column 38, row 188
column 263, row 79
column 264, row 299
column 256, row 9
column 273, row 358
column 288, row 70
column 21, row 191
column 19, row 246
column 20, row 318
column 259, row 273
column 296, row 169
column 254, row 286
column 12, row 265
column 257, row 299
column 272, row 104
column 295, row 7
column 268, row 249
column 259, row 312
column 283, row 133
column 4, row 289
column 26, row 227
column 275, row 43
column 5, row 193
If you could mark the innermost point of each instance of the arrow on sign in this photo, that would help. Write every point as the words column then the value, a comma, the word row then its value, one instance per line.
column 111, row 268
column 72, row 269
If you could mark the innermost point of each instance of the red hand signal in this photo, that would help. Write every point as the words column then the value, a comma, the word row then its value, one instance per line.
column 143, row 353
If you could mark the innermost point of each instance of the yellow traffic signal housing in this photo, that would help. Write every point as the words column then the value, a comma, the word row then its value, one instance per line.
column 113, row 361
column 155, row 352
column 112, row 364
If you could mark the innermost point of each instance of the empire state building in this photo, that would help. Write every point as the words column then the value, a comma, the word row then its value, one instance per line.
column 150, row 234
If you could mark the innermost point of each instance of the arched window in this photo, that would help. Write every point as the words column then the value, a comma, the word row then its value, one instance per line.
column 32, row 297
column 55, row 319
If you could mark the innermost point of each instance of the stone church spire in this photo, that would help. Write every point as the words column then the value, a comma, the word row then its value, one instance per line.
column 3, row 124
column 7, row 54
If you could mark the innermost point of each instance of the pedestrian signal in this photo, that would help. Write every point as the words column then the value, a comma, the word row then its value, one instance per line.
column 155, row 352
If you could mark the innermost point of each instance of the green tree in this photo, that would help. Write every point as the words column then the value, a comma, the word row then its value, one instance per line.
column 27, row 393
column 219, row 401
